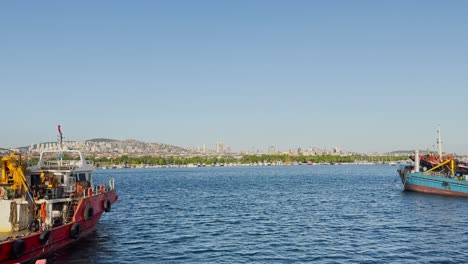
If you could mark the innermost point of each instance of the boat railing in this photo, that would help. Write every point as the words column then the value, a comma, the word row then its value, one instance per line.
column 88, row 192
column 97, row 189
column 51, row 193
column 436, row 174
column 61, row 164
column 111, row 184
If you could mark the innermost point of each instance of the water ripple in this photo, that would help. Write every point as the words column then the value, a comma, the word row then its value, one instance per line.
column 319, row 214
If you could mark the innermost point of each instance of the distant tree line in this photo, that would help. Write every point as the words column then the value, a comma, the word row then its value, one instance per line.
column 246, row 159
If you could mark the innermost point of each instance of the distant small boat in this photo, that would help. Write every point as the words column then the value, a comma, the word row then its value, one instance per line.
column 441, row 174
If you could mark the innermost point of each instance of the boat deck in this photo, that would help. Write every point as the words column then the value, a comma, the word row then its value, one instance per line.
column 5, row 236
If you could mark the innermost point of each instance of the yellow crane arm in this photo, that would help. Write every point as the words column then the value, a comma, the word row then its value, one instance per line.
column 11, row 167
column 20, row 179
column 452, row 166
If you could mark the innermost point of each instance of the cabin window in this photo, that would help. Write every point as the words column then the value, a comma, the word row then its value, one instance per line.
column 35, row 179
column 82, row 177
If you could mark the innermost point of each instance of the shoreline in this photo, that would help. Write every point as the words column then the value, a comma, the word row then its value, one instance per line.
column 276, row 164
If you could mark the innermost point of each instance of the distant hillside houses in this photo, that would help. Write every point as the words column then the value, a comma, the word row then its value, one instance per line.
column 109, row 148
column 315, row 151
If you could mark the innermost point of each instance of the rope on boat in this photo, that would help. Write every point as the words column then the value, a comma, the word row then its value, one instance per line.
column 406, row 177
column 46, row 244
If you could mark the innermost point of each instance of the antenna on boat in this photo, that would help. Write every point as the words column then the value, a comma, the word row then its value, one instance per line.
column 439, row 143
column 60, row 155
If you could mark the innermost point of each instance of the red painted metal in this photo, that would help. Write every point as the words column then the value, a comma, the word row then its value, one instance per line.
column 425, row 189
column 60, row 236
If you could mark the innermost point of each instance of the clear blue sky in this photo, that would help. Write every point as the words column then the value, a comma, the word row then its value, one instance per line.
column 360, row 75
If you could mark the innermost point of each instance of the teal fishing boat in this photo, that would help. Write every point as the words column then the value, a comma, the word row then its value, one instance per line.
column 441, row 174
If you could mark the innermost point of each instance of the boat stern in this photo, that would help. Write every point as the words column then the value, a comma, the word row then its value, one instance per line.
column 15, row 215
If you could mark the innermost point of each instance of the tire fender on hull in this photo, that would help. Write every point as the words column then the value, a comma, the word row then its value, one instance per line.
column 75, row 231
column 44, row 237
column 17, row 250
column 34, row 226
column 88, row 213
column 107, row 205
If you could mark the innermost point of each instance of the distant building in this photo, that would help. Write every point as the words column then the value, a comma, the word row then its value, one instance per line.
column 271, row 150
column 219, row 147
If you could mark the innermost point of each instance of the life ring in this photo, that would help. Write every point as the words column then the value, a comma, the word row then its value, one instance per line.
column 88, row 213
column 107, row 205
column 102, row 188
column 17, row 250
column 44, row 237
column 34, row 226
column 2, row 191
column 90, row 192
column 75, row 231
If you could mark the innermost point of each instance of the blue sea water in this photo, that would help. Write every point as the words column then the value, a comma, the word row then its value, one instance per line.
column 289, row 214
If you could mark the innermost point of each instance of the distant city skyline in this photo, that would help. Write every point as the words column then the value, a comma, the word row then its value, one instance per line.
column 116, row 148
column 366, row 76
column 104, row 146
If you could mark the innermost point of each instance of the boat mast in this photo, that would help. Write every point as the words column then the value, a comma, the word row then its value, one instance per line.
column 439, row 143
column 416, row 161
column 60, row 136
column 60, row 155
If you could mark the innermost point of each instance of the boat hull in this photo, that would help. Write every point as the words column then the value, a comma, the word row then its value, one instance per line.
column 60, row 236
column 419, row 182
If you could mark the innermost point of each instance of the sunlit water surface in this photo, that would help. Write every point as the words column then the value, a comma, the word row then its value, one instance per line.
column 319, row 214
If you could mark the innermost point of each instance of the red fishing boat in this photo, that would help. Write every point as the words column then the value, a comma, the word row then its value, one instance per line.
column 50, row 205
